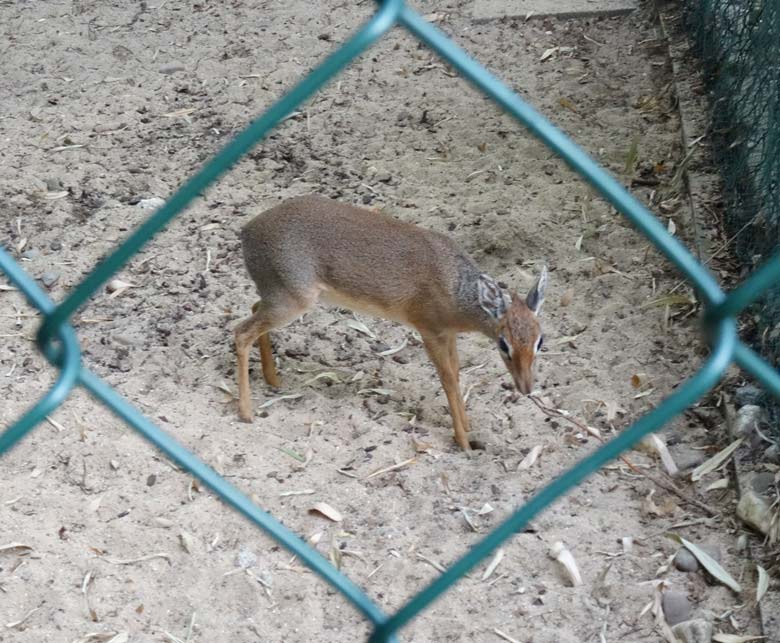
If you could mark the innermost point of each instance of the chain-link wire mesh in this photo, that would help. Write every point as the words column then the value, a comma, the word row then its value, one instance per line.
column 57, row 339
column 738, row 42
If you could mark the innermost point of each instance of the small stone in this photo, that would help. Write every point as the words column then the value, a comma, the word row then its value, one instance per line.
column 685, row 561
column 150, row 204
column 125, row 340
column 688, row 460
column 772, row 454
column 151, row 480
column 246, row 558
column 32, row 253
column 49, row 278
column 171, row 68
column 383, row 177
column 111, row 126
column 56, row 245
column 53, row 184
column 400, row 359
column 749, row 418
column 713, row 551
column 748, row 395
column 762, row 481
column 754, row 510
column 677, row 607
column 694, row 631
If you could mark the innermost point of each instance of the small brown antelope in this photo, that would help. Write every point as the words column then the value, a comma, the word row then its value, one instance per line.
column 312, row 248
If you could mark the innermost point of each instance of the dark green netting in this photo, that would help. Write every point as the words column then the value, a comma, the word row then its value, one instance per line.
column 738, row 42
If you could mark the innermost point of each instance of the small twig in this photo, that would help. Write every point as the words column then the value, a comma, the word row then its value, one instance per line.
column 55, row 424
column 190, row 627
column 595, row 42
column 394, row 467
column 504, row 636
column 14, row 624
column 172, row 638
column 432, row 563
column 603, row 633
column 375, row 570
column 132, row 561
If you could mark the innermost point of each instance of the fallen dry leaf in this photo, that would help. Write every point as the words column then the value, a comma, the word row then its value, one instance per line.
column 324, row 509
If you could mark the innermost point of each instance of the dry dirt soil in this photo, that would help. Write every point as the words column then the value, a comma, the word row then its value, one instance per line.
column 108, row 103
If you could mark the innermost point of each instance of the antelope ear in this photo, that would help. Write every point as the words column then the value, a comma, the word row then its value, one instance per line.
column 535, row 297
column 491, row 298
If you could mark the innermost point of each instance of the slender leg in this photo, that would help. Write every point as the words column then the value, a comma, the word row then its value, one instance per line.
column 439, row 350
column 267, row 355
column 452, row 347
column 267, row 358
column 265, row 317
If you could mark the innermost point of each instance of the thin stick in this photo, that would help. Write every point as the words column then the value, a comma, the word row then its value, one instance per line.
column 394, row 467
column 432, row 563
column 14, row 624
column 132, row 561
column 375, row 570
column 504, row 636
column 55, row 424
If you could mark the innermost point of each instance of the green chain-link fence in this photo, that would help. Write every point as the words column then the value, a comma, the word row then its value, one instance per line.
column 57, row 339
column 739, row 44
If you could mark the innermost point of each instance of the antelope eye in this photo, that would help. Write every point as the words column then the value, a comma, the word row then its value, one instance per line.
column 503, row 346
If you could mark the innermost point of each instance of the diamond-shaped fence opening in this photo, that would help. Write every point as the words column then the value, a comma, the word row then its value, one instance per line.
column 58, row 341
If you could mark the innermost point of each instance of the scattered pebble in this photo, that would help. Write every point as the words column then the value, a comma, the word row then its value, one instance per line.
column 32, row 253
column 693, row 631
column 677, row 607
column 171, row 68
column 772, row 454
column 748, row 395
column 151, row 204
column 713, row 551
column 56, row 245
column 754, row 510
column 246, row 558
column 688, row 460
column 762, row 481
column 49, row 278
column 125, row 340
column 53, row 184
column 685, row 561
column 748, row 419
column 111, row 126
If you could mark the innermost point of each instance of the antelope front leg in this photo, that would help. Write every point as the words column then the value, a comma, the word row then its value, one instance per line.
column 438, row 348
column 452, row 347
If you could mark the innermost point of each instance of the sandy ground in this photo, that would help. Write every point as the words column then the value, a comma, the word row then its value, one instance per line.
column 107, row 103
